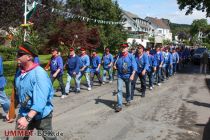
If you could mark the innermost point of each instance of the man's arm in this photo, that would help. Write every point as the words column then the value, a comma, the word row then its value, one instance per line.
column 87, row 63
column 134, row 67
column 146, row 67
column 24, row 121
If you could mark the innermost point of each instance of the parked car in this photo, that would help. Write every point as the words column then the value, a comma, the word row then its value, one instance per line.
column 198, row 54
column 209, row 59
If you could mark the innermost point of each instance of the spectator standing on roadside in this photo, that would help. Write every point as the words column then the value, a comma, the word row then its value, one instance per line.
column 204, row 62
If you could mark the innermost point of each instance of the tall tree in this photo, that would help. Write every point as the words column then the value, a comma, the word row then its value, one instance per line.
column 110, row 35
column 11, row 13
column 190, row 5
column 198, row 26
column 197, row 30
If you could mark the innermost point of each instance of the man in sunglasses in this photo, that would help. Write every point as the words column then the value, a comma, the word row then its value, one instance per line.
column 34, row 92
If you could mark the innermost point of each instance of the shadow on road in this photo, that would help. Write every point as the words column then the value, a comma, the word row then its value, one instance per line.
column 206, row 132
column 208, row 83
column 1, row 116
column 198, row 103
column 109, row 103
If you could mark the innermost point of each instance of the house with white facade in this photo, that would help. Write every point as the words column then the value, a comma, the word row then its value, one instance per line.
column 160, row 29
column 137, row 27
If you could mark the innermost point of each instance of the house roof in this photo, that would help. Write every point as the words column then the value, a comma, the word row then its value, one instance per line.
column 131, row 14
column 158, row 22
column 134, row 17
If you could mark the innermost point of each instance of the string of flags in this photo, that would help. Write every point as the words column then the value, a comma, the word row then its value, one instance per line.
column 70, row 15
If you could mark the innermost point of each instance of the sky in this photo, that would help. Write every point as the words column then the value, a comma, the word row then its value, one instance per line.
column 168, row 9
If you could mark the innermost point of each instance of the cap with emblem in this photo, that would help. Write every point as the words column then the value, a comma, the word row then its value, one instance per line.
column 27, row 48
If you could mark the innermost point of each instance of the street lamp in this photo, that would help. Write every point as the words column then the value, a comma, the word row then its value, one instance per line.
column 75, row 37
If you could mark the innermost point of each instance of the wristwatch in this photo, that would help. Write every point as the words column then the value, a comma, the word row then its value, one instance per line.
column 28, row 118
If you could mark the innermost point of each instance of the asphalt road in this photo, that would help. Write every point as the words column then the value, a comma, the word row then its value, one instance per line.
column 177, row 110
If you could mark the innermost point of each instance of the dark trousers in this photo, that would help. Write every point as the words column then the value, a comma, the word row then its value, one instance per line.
column 60, row 80
column 43, row 124
column 143, row 84
column 92, row 75
column 174, row 67
column 158, row 74
column 167, row 70
column 151, row 78
column 162, row 76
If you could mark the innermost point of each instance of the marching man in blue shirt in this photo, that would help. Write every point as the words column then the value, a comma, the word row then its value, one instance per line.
column 142, row 67
column 85, row 70
column 4, row 101
column 107, row 61
column 34, row 93
column 73, row 71
column 126, row 67
column 159, row 58
column 175, row 60
column 152, row 69
column 56, row 70
column 167, row 65
column 95, row 67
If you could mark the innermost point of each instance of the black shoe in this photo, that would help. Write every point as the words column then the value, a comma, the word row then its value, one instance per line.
column 143, row 95
column 128, row 103
column 118, row 109
column 77, row 91
column 4, row 119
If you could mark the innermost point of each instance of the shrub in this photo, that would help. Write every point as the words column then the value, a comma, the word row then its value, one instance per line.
column 8, row 53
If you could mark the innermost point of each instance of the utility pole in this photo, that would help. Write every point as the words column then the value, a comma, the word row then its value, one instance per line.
column 25, row 20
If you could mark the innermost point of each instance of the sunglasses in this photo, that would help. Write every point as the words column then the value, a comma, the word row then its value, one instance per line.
column 20, row 55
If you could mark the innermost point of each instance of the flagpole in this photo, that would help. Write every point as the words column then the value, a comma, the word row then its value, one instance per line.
column 25, row 20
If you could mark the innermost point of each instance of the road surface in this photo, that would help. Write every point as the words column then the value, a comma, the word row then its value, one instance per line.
column 177, row 110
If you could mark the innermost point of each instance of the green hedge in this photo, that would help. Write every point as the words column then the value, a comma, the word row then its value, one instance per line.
column 8, row 53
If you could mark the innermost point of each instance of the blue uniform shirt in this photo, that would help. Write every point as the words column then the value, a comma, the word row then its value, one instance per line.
column 126, row 65
column 142, row 62
column 73, row 64
column 175, row 57
column 55, row 64
column 159, row 58
column 152, row 62
column 36, row 85
column 36, row 60
column 167, row 58
column 107, row 59
column 152, row 52
column 95, row 61
column 85, row 62
column 2, row 78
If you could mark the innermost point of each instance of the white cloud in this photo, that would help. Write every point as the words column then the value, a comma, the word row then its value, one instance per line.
column 161, row 9
column 180, row 17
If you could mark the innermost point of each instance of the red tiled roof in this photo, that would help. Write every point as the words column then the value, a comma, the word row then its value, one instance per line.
column 159, row 22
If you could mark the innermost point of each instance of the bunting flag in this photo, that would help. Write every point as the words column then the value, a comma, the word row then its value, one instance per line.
column 31, row 8
column 70, row 15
